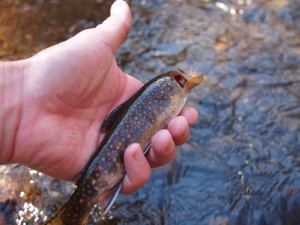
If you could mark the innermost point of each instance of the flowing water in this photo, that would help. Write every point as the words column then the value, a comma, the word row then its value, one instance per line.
column 241, row 164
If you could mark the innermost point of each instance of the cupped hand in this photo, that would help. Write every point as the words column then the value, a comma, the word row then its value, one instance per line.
column 69, row 89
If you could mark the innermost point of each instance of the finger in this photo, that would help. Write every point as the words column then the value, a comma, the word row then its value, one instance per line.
column 137, row 169
column 190, row 114
column 179, row 129
column 163, row 149
column 115, row 28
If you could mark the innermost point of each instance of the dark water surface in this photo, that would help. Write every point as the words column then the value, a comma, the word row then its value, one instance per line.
column 242, row 162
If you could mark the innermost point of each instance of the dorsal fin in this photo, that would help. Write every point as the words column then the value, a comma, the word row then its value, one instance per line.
column 114, row 116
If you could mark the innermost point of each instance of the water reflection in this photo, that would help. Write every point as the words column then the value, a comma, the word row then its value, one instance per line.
column 241, row 164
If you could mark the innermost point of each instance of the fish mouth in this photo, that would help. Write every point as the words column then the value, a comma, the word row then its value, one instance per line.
column 187, row 80
column 180, row 78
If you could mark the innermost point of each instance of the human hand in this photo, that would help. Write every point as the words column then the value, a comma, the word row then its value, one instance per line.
column 69, row 89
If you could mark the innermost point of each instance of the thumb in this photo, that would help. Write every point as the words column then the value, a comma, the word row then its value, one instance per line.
column 115, row 28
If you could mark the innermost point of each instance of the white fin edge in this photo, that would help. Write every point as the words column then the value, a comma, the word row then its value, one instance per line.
column 113, row 199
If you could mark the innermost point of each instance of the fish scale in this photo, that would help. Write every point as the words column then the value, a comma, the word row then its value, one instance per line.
column 135, row 121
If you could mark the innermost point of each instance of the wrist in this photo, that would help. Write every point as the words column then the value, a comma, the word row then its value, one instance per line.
column 11, row 87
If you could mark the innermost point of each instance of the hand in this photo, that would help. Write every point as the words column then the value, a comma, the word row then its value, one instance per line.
column 69, row 89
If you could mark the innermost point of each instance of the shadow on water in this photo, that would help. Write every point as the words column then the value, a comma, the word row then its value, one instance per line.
column 242, row 162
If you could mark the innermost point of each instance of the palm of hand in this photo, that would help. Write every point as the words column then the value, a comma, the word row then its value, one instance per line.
column 67, row 96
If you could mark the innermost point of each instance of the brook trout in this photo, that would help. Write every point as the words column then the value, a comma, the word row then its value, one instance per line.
column 134, row 121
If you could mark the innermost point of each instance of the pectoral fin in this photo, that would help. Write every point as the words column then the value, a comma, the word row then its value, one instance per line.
column 107, row 200
column 147, row 149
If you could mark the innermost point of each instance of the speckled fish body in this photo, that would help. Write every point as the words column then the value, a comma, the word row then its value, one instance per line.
column 135, row 121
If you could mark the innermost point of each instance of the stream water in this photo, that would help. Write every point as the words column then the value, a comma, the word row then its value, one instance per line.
column 241, row 164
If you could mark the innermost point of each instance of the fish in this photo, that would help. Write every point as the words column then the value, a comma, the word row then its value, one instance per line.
column 135, row 121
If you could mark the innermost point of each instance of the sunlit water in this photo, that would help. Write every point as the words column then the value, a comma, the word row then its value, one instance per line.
column 242, row 162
